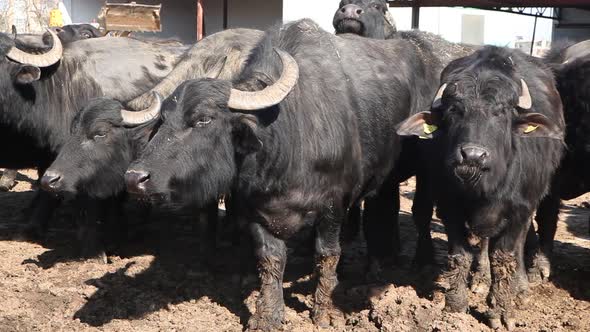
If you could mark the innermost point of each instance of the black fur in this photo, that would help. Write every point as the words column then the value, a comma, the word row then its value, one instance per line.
column 99, row 149
column 37, row 105
column 378, row 211
column 495, row 191
column 572, row 179
column 327, row 145
column 364, row 18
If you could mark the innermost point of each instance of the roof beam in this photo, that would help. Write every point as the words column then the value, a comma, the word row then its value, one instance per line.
column 490, row 3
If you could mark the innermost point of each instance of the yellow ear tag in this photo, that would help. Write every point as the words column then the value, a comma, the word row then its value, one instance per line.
column 530, row 129
column 428, row 129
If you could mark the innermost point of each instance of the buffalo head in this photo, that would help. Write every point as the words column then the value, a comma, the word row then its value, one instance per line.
column 367, row 18
column 478, row 117
column 206, row 133
column 103, row 142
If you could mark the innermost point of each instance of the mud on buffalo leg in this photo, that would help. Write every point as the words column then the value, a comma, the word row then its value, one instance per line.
column 454, row 280
column 8, row 179
column 507, row 266
column 547, row 216
column 481, row 277
column 380, row 226
column 327, row 248
column 422, row 209
column 271, row 254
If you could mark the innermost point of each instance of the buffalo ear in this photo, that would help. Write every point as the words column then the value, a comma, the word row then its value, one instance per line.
column 422, row 124
column 27, row 74
column 244, row 134
column 537, row 125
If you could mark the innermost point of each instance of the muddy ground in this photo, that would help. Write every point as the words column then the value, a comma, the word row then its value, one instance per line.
column 160, row 282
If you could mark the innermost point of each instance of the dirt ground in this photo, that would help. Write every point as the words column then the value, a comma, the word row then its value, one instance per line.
column 160, row 282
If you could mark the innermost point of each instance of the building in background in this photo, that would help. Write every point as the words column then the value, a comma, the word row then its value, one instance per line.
column 179, row 19
column 472, row 29
column 540, row 48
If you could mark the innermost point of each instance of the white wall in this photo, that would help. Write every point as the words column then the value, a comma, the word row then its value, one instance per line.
column 500, row 28
column 321, row 11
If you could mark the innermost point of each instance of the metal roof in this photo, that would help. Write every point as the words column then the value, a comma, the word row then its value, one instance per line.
column 490, row 3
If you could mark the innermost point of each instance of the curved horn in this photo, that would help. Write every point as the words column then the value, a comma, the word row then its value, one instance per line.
column 39, row 60
column 271, row 95
column 140, row 117
column 524, row 101
column 437, row 99
column 389, row 19
column 576, row 51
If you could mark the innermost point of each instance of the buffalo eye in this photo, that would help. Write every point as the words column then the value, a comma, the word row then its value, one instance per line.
column 85, row 35
column 203, row 121
column 100, row 135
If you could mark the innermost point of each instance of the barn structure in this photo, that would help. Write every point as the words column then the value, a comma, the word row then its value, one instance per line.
column 190, row 19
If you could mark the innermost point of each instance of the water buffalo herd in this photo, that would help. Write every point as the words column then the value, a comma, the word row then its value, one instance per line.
column 297, row 126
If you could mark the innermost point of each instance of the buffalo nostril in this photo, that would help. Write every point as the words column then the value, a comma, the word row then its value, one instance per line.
column 474, row 154
column 351, row 11
column 50, row 180
column 136, row 180
column 143, row 178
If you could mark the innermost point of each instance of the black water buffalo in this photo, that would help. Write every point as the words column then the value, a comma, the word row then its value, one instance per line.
column 304, row 133
column 95, row 169
column 73, row 32
column 41, row 93
column 367, row 18
column 66, row 34
column 498, row 127
column 571, row 65
column 105, row 138
column 372, row 19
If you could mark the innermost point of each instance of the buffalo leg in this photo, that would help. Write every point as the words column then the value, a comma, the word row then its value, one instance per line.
column 454, row 280
column 91, row 229
column 352, row 223
column 327, row 248
column 422, row 213
column 41, row 210
column 208, row 227
column 8, row 179
column 381, row 228
column 481, row 280
column 507, row 266
column 271, row 254
column 547, row 216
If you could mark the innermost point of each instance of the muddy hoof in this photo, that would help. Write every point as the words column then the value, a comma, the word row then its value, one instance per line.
column 267, row 323
column 326, row 317
column 6, row 186
column 540, row 271
column 497, row 323
column 98, row 258
column 374, row 272
column 481, row 281
column 8, row 180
